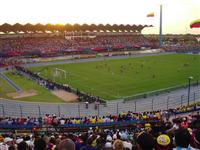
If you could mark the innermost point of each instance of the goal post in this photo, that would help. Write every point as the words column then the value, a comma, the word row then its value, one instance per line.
column 57, row 72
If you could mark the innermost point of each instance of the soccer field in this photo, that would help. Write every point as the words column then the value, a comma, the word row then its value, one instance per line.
column 119, row 78
column 5, row 88
column 43, row 95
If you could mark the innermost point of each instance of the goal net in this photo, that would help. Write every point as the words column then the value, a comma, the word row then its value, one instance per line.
column 59, row 74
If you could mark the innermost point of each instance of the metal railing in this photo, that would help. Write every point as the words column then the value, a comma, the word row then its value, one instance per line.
column 160, row 91
column 23, row 109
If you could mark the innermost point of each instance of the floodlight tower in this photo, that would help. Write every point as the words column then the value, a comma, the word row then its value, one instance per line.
column 161, row 36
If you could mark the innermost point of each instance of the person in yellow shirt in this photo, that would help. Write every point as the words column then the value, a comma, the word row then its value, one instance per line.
column 77, row 121
column 144, row 116
column 93, row 120
column 158, row 115
column 99, row 120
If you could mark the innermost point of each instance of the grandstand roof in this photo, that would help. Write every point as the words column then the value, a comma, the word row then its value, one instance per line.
column 41, row 28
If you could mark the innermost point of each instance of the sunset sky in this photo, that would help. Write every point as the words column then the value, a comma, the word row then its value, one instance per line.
column 177, row 14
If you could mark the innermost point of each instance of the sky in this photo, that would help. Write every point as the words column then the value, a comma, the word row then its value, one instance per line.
column 177, row 14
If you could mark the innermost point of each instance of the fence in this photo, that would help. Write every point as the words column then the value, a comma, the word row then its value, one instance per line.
column 159, row 102
column 42, row 129
column 157, row 92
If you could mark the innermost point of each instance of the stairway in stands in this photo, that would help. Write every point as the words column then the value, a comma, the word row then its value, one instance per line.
column 10, row 82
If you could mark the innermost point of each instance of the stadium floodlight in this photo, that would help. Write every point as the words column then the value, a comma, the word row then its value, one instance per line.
column 189, row 84
column 161, row 36
column 161, row 3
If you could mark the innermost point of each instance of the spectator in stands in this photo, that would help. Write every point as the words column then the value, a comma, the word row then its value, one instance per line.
column 196, row 140
column 118, row 145
column 182, row 139
column 55, row 46
column 7, row 144
column 91, row 143
column 22, row 146
column 66, row 144
column 108, row 144
column 126, row 141
column 145, row 141
column 100, row 139
column 184, row 123
column 163, row 142
column 81, row 141
column 40, row 144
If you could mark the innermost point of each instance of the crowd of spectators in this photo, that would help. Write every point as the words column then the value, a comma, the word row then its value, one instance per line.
column 183, row 48
column 5, row 62
column 52, row 119
column 72, row 45
column 165, row 134
column 146, row 139
column 29, row 47
column 47, row 45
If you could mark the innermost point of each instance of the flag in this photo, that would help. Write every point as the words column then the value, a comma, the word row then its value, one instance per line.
column 195, row 24
column 150, row 14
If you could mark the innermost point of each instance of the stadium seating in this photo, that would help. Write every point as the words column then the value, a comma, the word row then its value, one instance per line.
column 159, row 130
column 56, row 46
column 152, row 130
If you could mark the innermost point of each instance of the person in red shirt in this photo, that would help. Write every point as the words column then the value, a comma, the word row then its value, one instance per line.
column 184, row 123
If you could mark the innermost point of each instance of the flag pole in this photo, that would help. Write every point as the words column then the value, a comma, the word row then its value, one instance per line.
column 161, row 36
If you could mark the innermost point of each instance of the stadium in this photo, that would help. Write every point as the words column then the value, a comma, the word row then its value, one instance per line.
column 88, row 86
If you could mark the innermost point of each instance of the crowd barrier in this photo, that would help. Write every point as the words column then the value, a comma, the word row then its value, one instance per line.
column 83, row 125
column 157, row 92
column 11, row 108
column 5, row 127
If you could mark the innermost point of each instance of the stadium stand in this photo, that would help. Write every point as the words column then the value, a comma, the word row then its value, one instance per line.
column 159, row 130
column 148, row 130
column 51, row 45
column 32, row 47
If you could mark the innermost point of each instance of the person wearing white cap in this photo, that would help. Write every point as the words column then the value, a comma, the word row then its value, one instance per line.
column 114, row 136
column 126, row 143
column 108, row 142
column 6, row 143
column 8, row 140
column 19, row 140
column 3, row 147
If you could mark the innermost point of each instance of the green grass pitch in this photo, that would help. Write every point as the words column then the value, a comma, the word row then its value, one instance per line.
column 43, row 95
column 5, row 88
column 114, row 79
